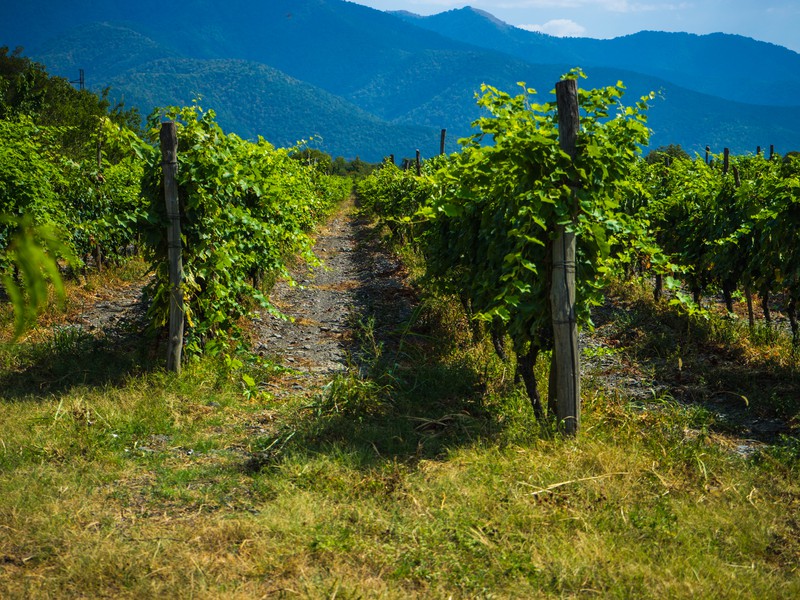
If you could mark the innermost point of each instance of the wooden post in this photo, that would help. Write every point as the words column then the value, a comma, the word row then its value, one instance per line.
column 771, row 151
column 751, row 319
column 98, row 257
column 708, row 151
column 169, row 154
column 419, row 166
column 441, row 141
column 726, row 160
column 566, row 354
column 758, row 150
column 391, row 158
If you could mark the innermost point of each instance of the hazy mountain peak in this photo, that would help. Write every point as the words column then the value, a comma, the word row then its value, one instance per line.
column 405, row 14
column 471, row 15
column 485, row 15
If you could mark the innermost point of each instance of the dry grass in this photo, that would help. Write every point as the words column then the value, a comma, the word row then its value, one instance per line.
column 424, row 478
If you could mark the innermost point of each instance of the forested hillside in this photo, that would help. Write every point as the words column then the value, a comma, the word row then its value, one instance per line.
column 413, row 75
column 731, row 67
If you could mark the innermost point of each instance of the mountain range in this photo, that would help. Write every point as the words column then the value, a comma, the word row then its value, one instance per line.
column 371, row 83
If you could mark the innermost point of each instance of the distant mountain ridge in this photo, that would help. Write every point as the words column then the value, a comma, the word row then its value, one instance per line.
column 725, row 65
column 371, row 83
column 271, row 99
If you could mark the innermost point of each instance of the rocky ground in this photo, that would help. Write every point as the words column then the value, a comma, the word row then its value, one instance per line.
column 358, row 281
column 113, row 312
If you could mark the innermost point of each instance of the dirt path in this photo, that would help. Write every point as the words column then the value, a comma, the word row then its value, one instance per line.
column 112, row 312
column 357, row 281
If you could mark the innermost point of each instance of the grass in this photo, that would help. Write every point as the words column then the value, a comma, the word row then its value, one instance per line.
column 419, row 473
column 715, row 361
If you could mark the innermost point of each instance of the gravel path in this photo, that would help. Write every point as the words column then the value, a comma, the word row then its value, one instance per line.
column 114, row 312
column 358, row 280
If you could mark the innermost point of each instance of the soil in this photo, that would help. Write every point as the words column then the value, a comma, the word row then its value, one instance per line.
column 360, row 286
column 113, row 312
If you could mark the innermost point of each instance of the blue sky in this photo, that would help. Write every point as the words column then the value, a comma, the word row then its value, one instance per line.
column 776, row 21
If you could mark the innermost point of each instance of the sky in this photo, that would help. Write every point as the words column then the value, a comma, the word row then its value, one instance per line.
column 776, row 21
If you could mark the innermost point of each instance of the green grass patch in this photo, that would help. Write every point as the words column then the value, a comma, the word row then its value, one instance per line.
column 419, row 473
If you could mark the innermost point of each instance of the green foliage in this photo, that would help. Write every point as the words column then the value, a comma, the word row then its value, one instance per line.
column 355, row 168
column 29, row 176
column 666, row 153
column 489, row 215
column 99, row 204
column 394, row 195
column 727, row 230
column 32, row 253
column 246, row 209
column 313, row 157
column 70, row 176
column 26, row 89
column 102, row 199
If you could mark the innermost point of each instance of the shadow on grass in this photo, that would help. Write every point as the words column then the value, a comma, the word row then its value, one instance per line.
column 417, row 387
column 418, row 407
column 70, row 358
column 752, row 389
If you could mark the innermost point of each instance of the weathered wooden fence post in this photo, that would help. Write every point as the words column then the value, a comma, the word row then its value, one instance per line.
column 419, row 166
column 566, row 357
column 169, row 165
column 726, row 160
column 441, row 141
column 708, row 151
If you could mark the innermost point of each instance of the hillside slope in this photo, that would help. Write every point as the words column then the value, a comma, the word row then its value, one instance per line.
column 252, row 99
column 373, row 83
column 732, row 67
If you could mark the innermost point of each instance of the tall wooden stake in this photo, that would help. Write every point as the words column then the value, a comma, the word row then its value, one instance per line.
column 562, row 296
column 441, row 141
column 169, row 155
column 419, row 164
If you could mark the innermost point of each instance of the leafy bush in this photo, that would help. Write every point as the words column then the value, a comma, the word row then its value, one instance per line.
column 246, row 209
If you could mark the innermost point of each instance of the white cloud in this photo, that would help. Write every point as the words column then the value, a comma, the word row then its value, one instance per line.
column 558, row 28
